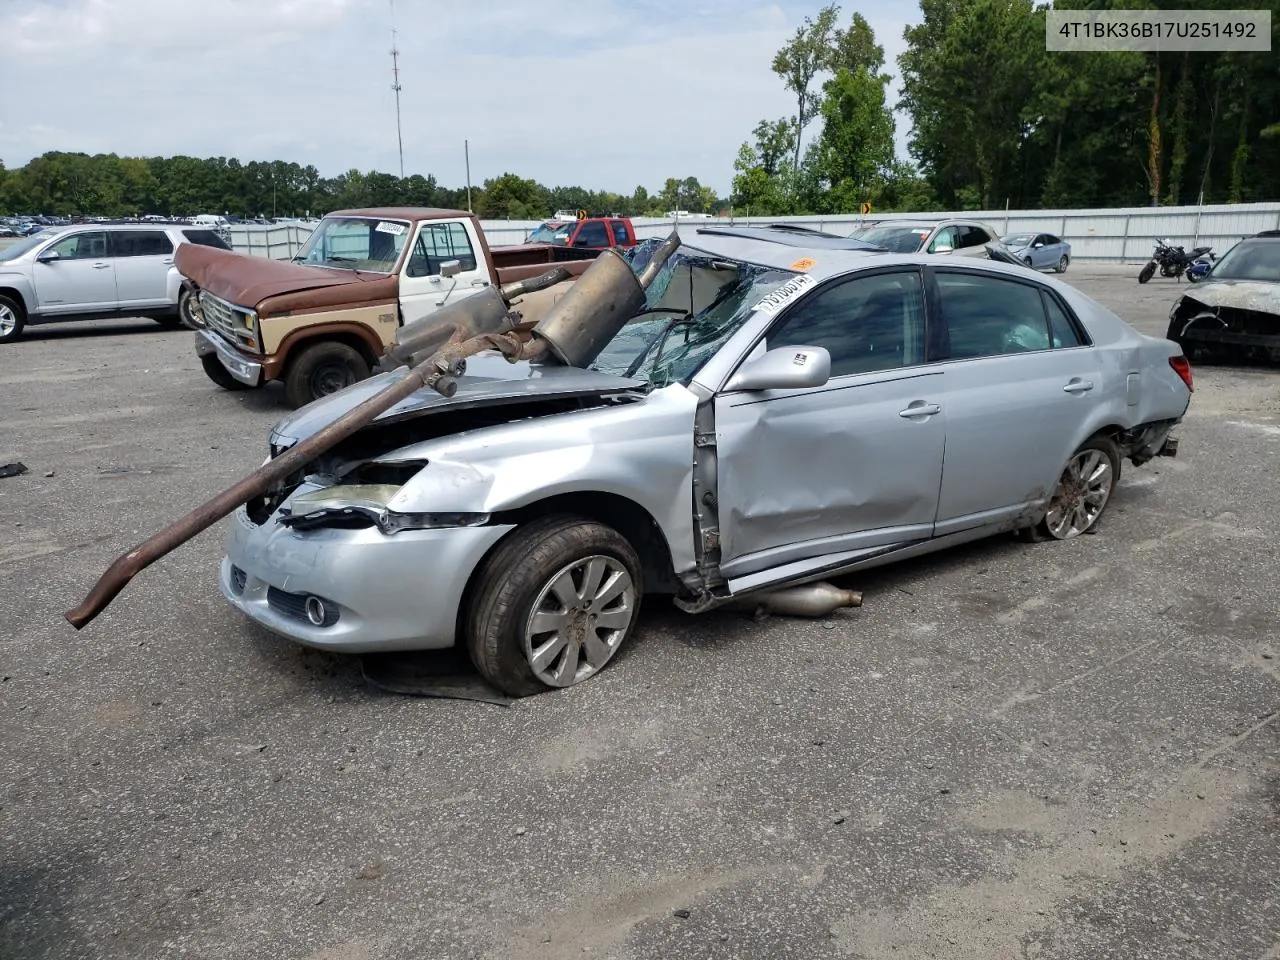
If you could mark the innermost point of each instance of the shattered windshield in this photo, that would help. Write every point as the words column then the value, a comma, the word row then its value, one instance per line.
column 356, row 243
column 896, row 239
column 557, row 233
column 1249, row 260
column 667, row 342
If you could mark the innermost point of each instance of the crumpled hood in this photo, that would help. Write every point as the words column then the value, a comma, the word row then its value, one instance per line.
column 278, row 286
column 489, row 381
column 1238, row 294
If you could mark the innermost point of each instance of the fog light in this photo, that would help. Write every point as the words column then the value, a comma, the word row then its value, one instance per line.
column 315, row 611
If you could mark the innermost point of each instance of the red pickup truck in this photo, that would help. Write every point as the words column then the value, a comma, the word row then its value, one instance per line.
column 592, row 233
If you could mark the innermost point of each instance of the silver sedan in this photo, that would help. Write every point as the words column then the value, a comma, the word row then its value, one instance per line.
column 782, row 411
column 1040, row 251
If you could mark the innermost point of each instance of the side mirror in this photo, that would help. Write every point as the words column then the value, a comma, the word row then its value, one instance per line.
column 49, row 256
column 450, row 268
column 942, row 248
column 784, row 368
column 1037, row 245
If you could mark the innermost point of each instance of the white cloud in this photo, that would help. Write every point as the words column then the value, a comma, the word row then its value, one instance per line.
column 603, row 93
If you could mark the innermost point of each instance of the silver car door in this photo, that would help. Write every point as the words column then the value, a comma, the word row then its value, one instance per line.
column 81, row 278
column 143, row 259
column 855, row 463
column 1020, row 384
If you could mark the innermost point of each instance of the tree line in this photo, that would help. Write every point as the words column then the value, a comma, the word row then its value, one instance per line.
column 70, row 184
column 997, row 121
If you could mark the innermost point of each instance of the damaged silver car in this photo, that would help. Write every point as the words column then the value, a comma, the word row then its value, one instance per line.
column 782, row 408
column 1235, row 310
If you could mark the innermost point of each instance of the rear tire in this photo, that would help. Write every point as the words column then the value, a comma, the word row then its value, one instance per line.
column 564, row 644
column 216, row 372
column 321, row 369
column 1084, row 489
column 1062, row 264
column 1147, row 272
column 12, row 320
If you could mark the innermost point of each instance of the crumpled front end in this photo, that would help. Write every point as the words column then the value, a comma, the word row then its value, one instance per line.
column 1228, row 319
column 355, row 589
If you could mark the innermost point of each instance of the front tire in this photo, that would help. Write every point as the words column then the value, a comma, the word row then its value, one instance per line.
column 189, row 309
column 1084, row 489
column 321, row 369
column 553, row 604
column 12, row 320
column 1147, row 272
column 216, row 372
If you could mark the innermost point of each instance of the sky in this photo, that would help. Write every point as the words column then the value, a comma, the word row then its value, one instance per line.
column 604, row 94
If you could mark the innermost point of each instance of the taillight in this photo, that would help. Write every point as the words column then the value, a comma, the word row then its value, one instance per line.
column 1183, row 369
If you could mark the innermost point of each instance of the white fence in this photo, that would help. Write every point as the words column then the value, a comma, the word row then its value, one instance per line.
column 1125, row 235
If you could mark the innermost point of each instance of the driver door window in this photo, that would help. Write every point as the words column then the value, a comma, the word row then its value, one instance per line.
column 867, row 324
column 422, row 289
column 945, row 241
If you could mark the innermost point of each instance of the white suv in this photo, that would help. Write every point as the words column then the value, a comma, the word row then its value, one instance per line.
column 93, row 271
column 965, row 238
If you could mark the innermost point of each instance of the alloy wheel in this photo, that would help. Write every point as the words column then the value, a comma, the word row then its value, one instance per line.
column 8, row 321
column 578, row 620
column 1083, row 492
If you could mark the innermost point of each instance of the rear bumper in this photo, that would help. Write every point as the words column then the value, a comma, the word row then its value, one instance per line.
column 248, row 372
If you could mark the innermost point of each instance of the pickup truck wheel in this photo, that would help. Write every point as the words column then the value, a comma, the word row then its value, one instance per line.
column 1083, row 492
column 321, row 369
column 552, row 605
column 11, row 320
column 216, row 372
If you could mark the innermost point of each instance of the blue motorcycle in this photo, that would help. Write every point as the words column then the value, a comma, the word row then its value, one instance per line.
column 1200, row 267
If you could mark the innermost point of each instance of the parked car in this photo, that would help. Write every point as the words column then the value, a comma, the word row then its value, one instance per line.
column 1039, row 251
column 320, row 323
column 596, row 233
column 92, row 272
column 817, row 411
column 965, row 238
column 1235, row 310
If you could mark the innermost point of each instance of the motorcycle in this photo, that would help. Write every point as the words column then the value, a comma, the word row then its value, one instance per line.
column 1201, row 267
column 1172, row 260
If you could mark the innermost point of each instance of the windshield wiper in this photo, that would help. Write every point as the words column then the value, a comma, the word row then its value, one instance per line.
column 684, row 317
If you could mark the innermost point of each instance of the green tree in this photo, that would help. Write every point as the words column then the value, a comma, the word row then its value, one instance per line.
column 801, row 59
column 510, row 197
column 855, row 151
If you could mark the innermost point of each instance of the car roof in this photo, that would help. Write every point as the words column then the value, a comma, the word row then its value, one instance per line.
column 796, row 252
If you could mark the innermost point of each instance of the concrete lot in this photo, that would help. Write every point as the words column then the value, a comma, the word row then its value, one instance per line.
column 1010, row 751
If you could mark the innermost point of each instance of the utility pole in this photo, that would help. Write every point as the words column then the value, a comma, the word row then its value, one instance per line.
column 395, row 84
column 466, row 149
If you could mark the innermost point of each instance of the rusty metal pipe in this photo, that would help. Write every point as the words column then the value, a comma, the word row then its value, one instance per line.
column 659, row 259
column 534, row 284
column 430, row 374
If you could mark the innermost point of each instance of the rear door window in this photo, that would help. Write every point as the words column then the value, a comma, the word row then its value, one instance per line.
column 141, row 243
column 991, row 316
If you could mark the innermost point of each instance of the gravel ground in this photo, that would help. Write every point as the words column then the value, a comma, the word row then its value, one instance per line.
column 1010, row 751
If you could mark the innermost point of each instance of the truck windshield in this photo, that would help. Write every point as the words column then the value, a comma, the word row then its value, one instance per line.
column 557, row 233
column 667, row 342
column 356, row 243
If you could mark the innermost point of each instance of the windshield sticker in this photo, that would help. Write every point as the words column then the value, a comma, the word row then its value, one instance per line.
column 804, row 263
column 395, row 229
column 793, row 288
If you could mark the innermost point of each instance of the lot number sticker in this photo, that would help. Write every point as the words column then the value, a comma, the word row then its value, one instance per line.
column 395, row 229
column 793, row 288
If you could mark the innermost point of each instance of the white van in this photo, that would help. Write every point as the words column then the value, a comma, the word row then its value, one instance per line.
column 209, row 220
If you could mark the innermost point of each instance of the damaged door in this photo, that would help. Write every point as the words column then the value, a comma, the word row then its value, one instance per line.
column 850, row 465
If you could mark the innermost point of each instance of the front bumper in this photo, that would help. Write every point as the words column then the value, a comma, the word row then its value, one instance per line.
column 248, row 372
column 399, row 592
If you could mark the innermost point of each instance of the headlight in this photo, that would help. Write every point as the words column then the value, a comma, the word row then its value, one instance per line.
column 364, row 505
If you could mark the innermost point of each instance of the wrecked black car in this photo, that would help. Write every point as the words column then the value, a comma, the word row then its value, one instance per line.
column 1234, row 313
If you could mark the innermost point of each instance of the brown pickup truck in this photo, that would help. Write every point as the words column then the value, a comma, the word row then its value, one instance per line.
column 321, row 321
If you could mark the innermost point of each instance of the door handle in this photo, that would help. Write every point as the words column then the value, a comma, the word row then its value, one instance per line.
column 101, row 266
column 168, row 261
column 1076, row 385
column 918, row 408
column 433, row 279
column 479, row 283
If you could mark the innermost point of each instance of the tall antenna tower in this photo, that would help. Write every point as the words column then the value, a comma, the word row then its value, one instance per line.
column 395, row 84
